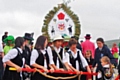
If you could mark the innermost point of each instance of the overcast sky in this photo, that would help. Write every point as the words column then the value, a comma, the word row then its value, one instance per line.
column 100, row 18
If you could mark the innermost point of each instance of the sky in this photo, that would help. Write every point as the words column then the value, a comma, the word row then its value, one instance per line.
column 100, row 18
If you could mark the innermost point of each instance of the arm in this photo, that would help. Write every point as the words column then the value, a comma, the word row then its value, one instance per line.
column 66, row 61
column 83, row 60
column 73, row 69
column 11, row 55
column 37, row 66
column 51, row 65
column 1, row 51
column 2, row 54
column 14, row 65
column 88, row 69
column 69, row 67
column 84, row 63
column 94, row 62
column 34, row 56
column 2, row 58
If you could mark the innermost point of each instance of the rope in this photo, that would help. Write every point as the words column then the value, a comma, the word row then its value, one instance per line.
column 56, row 71
column 52, row 77
column 44, row 74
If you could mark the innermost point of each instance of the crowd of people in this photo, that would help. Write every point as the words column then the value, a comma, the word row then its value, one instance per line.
column 20, row 53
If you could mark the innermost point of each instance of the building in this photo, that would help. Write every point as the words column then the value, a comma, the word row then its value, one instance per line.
column 109, row 43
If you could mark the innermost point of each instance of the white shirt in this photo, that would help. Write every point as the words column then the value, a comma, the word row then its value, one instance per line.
column 11, row 54
column 34, row 56
column 57, row 51
column 1, row 48
column 84, row 62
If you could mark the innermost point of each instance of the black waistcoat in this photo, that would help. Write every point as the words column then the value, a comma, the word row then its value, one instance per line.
column 55, row 56
column 17, row 60
column 13, row 75
column 26, row 55
column 73, row 60
column 41, row 58
column 89, row 61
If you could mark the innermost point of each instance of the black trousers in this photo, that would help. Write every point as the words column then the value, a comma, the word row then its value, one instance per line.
column 1, row 69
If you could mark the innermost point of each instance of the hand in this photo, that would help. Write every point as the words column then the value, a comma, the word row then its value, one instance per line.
column 26, row 66
column 45, row 70
column 89, row 71
column 69, row 69
column 92, row 69
column 4, row 65
column 77, row 72
column 52, row 70
column 61, row 69
column 19, row 69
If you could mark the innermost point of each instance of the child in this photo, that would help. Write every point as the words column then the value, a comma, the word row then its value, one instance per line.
column 76, row 59
column 88, row 57
column 15, row 59
column 40, row 58
column 107, row 70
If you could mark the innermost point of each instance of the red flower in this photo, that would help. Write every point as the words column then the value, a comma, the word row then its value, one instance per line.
column 61, row 16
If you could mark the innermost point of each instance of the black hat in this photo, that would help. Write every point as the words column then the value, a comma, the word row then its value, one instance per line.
column 28, row 36
column 87, row 36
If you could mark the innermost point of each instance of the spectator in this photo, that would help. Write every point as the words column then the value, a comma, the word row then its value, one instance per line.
column 1, row 63
column 9, row 41
column 102, row 50
column 107, row 69
column 81, row 41
column 88, row 57
column 3, row 37
column 88, row 45
column 114, row 50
